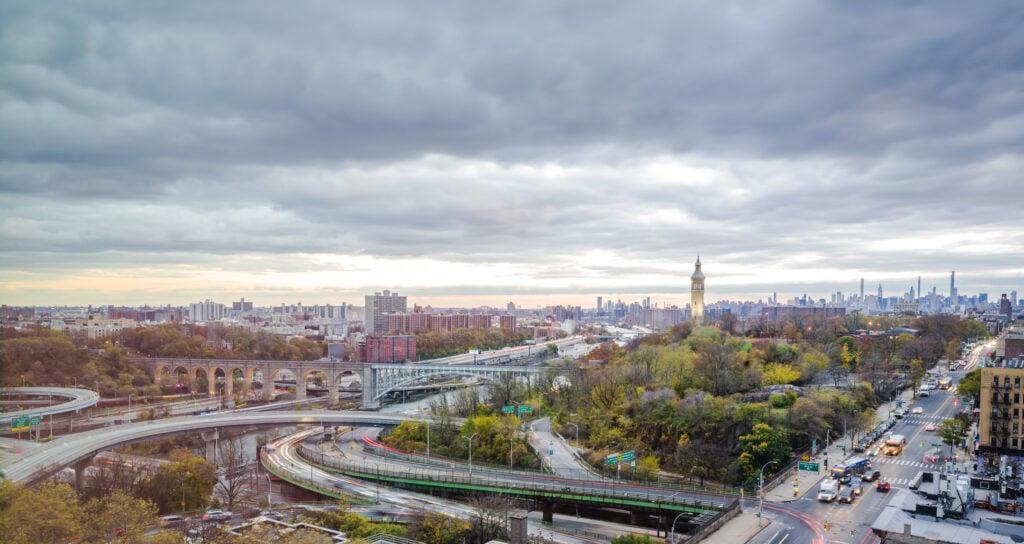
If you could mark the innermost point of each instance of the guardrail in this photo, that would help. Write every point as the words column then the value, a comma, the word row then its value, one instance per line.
column 598, row 492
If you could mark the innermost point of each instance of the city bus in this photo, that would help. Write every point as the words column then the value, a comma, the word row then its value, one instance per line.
column 856, row 466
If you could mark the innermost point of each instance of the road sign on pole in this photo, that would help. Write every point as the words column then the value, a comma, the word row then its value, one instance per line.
column 508, row 409
column 808, row 466
column 612, row 459
column 628, row 456
column 19, row 423
column 35, row 421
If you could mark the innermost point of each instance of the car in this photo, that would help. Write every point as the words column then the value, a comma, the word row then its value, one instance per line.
column 173, row 520
column 873, row 476
column 917, row 410
column 271, row 514
column 846, row 495
column 929, row 427
column 932, row 456
column 855, row 485
column 898, row 413
column 217, row 515
column 882, row 486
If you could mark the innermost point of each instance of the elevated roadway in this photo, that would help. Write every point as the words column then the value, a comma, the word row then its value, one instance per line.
column 72, row 450
column 79, row 399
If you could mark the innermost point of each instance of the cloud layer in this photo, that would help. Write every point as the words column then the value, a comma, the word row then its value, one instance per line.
column 166, row 152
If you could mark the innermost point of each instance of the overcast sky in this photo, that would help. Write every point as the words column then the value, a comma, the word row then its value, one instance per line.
column 466, row 153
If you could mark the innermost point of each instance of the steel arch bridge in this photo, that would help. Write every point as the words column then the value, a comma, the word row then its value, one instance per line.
column 381, row 379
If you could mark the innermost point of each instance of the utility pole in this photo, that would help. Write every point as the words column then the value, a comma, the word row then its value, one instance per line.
column 760, row 490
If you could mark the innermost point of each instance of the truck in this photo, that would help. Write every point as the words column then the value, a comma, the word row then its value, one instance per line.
column 829, row 490
column 894, row 444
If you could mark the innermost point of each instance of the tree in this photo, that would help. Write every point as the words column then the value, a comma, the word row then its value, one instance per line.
column 440, row 528
column 489, row 519
column 186, row 483
column 762, row 445
column 969, row 388
column 954, row 431
column 236, row 483
column 51, row 514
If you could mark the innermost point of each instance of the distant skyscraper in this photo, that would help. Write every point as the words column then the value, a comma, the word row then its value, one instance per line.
column 919, row 287
column 862, row 289
column 378, row 306
column 599, row 306
column 952, row 286
column 697, row 294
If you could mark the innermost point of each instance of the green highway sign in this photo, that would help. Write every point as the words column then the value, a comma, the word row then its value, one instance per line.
column 35, row 420
column 612, row 459
column 19, row 423
column 808, row 466
column 628, row 456
column 508, row 409
column 526, row 409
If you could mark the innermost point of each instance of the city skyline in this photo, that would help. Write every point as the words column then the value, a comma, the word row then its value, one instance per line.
column 167, row 155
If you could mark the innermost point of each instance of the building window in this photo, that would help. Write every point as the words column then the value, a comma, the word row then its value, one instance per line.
column 1016, row 397
column 995, row 442
column 1016, row 382
column 1006, row 398
column 1015, row 428
column 995, row 381
column 1014, row 442
column 1016, row 412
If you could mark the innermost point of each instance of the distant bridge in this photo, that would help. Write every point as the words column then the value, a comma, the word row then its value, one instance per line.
column 377, row 379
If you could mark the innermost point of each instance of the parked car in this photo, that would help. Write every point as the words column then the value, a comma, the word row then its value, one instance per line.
column 872, row 476
column 217, row 515
column 272, row 514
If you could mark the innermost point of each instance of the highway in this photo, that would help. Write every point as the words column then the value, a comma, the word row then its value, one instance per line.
column 79, row 400
column 70, row 449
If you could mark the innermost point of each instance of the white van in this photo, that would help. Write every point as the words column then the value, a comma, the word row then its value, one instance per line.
column 925, row 391
column 829, row 490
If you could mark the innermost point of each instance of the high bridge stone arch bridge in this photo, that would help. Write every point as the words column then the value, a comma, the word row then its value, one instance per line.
column 377, row 379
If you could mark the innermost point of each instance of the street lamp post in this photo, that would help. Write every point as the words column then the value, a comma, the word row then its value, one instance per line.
column 510, row 438
column 760, row 492
column 270, row 490
column 672, row 538
column 130, row 407
column 577, row 427
column 470, row 440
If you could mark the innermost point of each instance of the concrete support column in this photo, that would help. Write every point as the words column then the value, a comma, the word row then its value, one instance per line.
column 79, row 469
column 211, row 383
column 548, row 510
column 369, row 389
column 229, row 383
column 210, row 437
column 637, row 518
column 300, row 386
column 332, row 388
